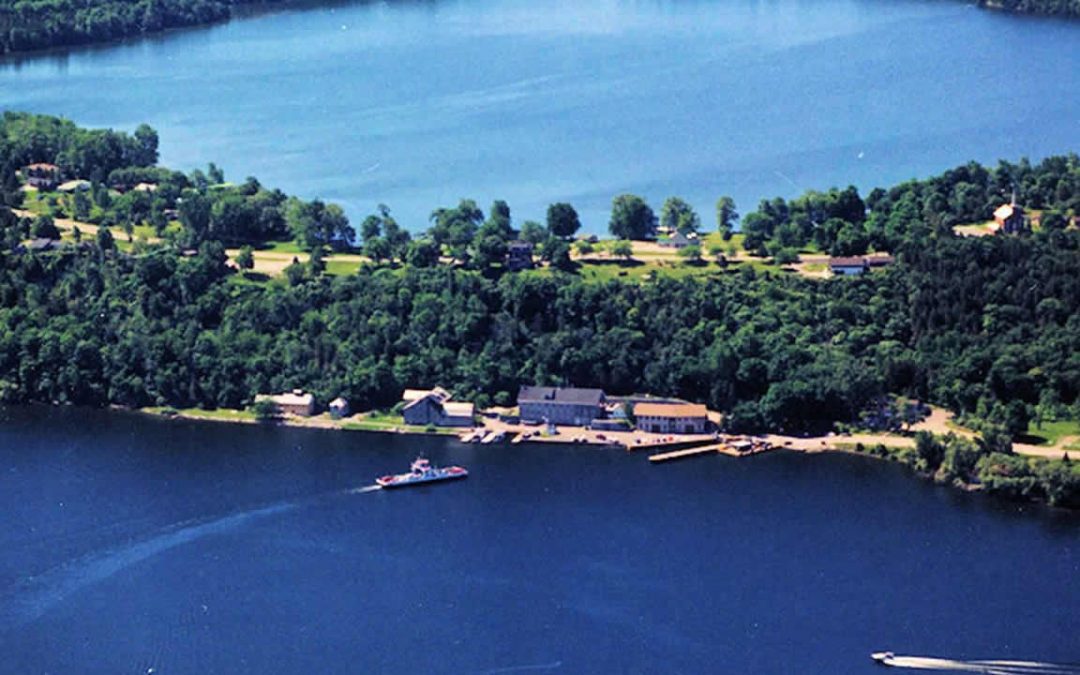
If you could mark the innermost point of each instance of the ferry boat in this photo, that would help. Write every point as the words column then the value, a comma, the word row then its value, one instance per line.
column 883, row 658
column 421, row 472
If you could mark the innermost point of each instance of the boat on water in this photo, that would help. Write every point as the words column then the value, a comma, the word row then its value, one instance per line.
column 883, row 657
column 420, row 472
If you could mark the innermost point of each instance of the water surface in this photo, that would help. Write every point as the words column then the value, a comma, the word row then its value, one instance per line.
column 129, row 543
column 417, row 104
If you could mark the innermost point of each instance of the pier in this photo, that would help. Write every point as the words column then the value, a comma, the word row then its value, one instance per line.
column 682, row 454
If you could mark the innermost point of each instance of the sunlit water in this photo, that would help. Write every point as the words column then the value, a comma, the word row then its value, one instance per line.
column 129, row 543
column 417, row 104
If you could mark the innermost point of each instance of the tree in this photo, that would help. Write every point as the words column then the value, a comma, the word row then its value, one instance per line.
column 295, row 272
column 786, row 256
column 562, row 220
column 80, row 205
column 265, row 410
column 679, row 216
column 422, row 253
column 245, row 259
column 691, row 254
column 105, row 239
column 622, row 249
column 146, row 146
column 44, row 227
column 214, row 174
column 716, row 250
column 726, row 216
column 316, row 224
column 533, row 232
column 631, row 218
column 584, row 247
column 378, row 249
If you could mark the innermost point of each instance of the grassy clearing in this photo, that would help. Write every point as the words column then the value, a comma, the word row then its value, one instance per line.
column 1051, row 432
column 221, row 414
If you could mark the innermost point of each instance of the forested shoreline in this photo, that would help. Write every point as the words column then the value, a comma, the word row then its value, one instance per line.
column 29, row 25
column 988, row 327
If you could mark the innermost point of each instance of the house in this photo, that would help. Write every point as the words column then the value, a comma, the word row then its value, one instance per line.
column 519, row 256
column 42, row 176
column 561, row 405
column 434, row 407
column 339, row 408
column 672, row 418
column 145, row 187
column 875, row 260
column 42, row 245
column 295, row 402
column 1009, row 218
column 680, row 240
column 848, row 266
column 71, row 186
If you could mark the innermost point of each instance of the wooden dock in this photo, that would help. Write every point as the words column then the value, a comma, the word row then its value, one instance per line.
column 682, row 454
column 717, row 448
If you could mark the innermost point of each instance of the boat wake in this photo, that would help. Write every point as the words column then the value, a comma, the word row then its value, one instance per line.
column 521, row 669
column 31, row 598
column 997, row 667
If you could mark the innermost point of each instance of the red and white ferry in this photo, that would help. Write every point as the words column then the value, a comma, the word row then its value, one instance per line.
column 421, row 472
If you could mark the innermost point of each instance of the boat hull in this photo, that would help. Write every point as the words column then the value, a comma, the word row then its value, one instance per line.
column 410, row 480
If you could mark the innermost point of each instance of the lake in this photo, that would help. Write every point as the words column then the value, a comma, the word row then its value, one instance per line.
column 129, row 543
column 417, row 104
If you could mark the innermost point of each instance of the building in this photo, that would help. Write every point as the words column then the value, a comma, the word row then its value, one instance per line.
column 425, row 407
column 43, row 244
column 848, row 266
column 876, row 260
column 672, row 418
column 519, row 256
column 71, row 186
column 42, row 176
column 1009, row 218
column 559, row 405
column 680, row 240
column 145, row 187
column 295, row 402
column 339, row 408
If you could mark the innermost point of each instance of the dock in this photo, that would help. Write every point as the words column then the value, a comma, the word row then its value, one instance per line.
column 712, row 448
column 681, row 454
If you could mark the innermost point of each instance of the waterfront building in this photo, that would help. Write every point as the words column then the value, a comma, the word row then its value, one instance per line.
column 295, row 402
column 339, row 407
column 433, row 406
column 672, row 418
column 560, row 405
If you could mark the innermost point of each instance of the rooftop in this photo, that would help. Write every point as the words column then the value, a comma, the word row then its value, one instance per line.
column 670, row 410
column 568, row 395
column 855, row 261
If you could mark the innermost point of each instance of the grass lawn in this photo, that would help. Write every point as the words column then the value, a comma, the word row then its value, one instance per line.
column 376, row 421
column 341, row 267
column 219, row 414
column 1051, row 432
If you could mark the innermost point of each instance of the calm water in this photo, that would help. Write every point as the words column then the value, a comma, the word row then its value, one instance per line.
column 417, row 104
column 129, row 543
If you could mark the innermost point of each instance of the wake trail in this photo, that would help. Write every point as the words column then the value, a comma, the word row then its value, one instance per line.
column 998, row 667
column 30, row 599
column 521, row 669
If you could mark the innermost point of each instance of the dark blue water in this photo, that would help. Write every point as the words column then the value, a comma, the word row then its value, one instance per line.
column 130, row 543
column 417, row 104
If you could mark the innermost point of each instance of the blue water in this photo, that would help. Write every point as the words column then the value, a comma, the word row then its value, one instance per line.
column 129, row 543
column 417, row 104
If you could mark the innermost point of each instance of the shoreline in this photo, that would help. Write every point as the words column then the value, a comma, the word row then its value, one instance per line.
column 897, row 452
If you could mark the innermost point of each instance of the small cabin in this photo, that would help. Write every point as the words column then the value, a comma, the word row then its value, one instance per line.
column 339, row 408
column 843, row 266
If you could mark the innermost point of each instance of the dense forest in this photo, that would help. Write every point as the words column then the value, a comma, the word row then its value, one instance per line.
column 40, row 24
column 989, row 326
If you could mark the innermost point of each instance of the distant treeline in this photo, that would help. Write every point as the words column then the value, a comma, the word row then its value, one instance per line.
column 1047, row 7
column 26, row 25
